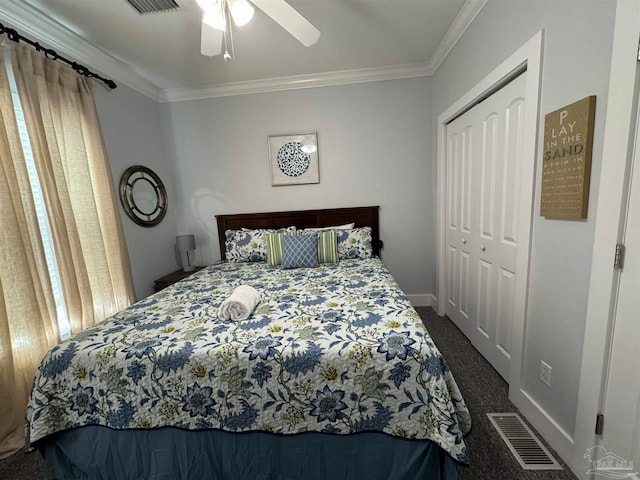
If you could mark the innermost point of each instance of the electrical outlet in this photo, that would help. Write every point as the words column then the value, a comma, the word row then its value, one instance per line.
column 545, row 373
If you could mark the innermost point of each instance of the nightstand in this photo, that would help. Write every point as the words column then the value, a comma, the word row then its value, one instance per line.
column 172, row 278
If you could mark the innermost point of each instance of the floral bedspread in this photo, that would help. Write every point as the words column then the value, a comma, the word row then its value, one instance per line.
column 336, row 349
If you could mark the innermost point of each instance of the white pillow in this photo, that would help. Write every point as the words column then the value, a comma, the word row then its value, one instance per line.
column 346, row 226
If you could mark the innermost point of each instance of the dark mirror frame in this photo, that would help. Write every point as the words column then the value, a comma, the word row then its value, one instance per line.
column 127, row 182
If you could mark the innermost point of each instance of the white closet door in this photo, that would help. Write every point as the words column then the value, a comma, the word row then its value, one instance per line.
column 484, row 154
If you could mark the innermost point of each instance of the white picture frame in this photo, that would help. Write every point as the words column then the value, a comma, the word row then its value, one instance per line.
column 293, row 159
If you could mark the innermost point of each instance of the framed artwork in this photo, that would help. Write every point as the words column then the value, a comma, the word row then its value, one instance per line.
column 566, row 162
column 294, row 159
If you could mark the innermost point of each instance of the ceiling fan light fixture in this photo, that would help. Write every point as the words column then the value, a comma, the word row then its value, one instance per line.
column 220, row 16
column 207, row 5
column 215, row 19
column 241, row 12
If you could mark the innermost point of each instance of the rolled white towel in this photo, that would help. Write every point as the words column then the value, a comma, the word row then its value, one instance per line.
column 240, row 304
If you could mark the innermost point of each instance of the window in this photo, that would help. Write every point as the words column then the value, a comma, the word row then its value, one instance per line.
column 41, row 211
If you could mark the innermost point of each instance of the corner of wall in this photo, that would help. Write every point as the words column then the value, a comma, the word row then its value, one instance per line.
column 423, row 300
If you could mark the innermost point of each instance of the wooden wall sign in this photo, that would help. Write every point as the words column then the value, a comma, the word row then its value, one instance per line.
column 566, row 161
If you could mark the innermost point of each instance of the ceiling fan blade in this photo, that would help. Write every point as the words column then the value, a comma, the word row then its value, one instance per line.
column 210, row 41
column 290, row 20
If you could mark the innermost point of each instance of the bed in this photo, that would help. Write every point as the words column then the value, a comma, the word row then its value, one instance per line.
column 333, row 375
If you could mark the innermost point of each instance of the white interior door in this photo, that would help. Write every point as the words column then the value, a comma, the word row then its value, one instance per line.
column 483, row 159
column 621, row 428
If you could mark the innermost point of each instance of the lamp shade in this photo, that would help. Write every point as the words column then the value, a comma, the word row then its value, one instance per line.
column 184, row 243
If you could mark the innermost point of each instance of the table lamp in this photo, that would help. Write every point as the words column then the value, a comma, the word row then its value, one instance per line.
column 185, row 244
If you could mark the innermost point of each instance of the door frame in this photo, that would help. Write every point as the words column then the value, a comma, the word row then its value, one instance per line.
column 619, row 133
column 529, row 57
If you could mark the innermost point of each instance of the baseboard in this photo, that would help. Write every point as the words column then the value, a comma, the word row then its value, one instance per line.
column 422, row 300
column 557, row 438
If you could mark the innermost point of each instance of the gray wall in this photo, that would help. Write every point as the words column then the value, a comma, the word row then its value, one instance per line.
column 374, row 144
column 576, row 58
column 132, row 133
column 375, row 147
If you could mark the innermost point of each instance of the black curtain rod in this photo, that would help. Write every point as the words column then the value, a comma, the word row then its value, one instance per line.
column 51, row 54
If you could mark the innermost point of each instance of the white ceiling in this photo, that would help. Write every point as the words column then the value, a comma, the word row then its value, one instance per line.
column 159, row 54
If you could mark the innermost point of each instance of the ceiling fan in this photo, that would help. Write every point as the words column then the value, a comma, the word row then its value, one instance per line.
column 217, row 16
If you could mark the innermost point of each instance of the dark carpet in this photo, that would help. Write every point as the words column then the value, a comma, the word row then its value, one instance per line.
column 482, row 388
column 484, row 391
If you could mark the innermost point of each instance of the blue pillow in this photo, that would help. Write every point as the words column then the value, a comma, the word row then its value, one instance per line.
column 300, row 251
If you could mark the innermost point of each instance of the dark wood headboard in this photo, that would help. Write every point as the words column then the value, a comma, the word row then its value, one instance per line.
column 361, row 216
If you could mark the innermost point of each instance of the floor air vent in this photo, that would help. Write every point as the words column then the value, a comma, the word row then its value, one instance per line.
column 522, row 442
column 153, row 6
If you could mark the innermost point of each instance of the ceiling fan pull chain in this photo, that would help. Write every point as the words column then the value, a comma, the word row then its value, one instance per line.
column 227, row 56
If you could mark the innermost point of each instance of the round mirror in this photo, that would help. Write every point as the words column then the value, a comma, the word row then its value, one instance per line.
column 143, row 196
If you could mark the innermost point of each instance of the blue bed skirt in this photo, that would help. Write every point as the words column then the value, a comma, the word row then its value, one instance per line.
column 100, row 453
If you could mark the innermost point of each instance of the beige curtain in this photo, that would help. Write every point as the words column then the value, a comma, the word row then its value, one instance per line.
column 28, row 326
column 76, row 181
column 75, row 177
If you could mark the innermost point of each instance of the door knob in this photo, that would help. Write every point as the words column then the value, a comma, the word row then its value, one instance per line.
column 464, row 241
column 482, row 247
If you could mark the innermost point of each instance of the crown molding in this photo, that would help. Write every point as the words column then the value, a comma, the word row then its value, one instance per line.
column 297, row 82
column 463, row 20
column 31, row 22
column 465, row 16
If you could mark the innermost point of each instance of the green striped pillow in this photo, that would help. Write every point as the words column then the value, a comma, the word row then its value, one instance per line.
column 273, row 242
column 327, row 247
